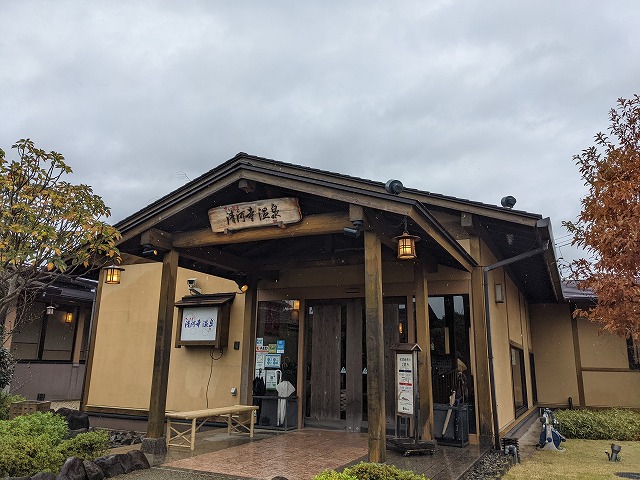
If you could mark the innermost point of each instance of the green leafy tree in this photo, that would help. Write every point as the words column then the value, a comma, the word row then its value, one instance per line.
column 48, row 226
column 608, row 227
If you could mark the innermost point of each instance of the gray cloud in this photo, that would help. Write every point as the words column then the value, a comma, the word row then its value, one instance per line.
column 472, row 99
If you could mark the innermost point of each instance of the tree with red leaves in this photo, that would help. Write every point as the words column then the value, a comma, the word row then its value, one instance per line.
column 608, row 227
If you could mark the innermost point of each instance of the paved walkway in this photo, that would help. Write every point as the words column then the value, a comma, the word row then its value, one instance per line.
column 296, row 455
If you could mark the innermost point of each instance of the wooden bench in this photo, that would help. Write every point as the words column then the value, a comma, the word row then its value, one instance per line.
column 239, row 419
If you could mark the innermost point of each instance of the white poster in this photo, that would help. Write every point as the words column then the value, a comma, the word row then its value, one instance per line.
column 259, row 361
column 199, row 324
column 271, row 379
column 404, row 388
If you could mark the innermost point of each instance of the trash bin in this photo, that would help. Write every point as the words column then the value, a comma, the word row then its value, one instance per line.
column 457, row 432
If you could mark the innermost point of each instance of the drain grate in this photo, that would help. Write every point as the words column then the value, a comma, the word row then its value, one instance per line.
column 627, row 475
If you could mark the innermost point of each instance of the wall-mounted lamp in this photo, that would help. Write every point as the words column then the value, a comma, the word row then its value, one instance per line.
column 406, row 244
column 68, row 317
column 112, row 274
column 499, row 290
column 242, row 282
column 400, row 328
column 50, row 309
column 295, row 304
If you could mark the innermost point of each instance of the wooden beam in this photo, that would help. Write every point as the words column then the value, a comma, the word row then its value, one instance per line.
column 219, row 259
column 321, row 224
column 423, row 339
column 157, row 238
column 445, row 243
column 375, row 347
column 164, row 329
column 483, row 385
column 356, row 212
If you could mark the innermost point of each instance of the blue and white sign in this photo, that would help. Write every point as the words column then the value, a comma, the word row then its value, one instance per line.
column 272, row 360
column 280, row 346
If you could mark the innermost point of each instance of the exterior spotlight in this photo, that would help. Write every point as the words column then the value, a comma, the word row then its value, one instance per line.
column 112, row 276
column 68, row 317
column 406, row 244
column 242, row 282
column 50, row 309
column 148, row 250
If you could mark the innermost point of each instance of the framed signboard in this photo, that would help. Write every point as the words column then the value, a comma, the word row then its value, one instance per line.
column 203, row 320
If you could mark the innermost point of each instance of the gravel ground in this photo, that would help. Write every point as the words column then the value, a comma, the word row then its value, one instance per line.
column 492, row 465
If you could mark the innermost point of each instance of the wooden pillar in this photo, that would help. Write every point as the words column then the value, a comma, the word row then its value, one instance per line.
column 577, row 357
column 354, row 366
column 77, row 344
column 375, row 346
column 160, row 376
column 92, row 340
column 423, row 339
column 247, row 372
column 482, row 380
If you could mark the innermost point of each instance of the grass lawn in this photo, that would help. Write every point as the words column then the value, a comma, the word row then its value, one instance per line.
column 583, row 459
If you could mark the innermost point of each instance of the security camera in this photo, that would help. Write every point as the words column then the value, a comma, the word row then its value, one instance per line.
column 191, row 282
column 355, row 231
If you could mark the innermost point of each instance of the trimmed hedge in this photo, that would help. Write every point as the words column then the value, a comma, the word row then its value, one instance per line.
column 370, row 471
column 610, row 424
column 36, row 443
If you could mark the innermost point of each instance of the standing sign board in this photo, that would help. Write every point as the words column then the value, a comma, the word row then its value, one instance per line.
column 404, row 383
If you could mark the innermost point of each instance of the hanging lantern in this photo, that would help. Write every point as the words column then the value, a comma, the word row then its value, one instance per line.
column 68, row 317
column 406, row 244
column 112, row 276
column 50, row 310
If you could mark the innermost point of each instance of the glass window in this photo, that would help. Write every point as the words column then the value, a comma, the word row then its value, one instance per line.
column 47, row 337
column 278, row 329
column 519, row 381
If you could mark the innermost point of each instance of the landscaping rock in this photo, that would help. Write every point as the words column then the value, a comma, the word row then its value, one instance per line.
column 138, row 460
column 110, row 465
column 16, row 478
column 73, row 469
column 75, row 418
column 492, row 465
column 44, row 476
column 92, row 470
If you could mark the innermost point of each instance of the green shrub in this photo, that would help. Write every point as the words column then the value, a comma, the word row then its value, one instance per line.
column 370, row 471
column 611, row 424
column 6, row 399
column 38, row 424
column 35, row 443
column 87, row 446
column 21, row 456
column 333, row 475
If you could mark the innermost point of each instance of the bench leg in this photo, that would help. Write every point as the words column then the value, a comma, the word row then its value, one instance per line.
column 253, row 420
column 168, row 432
column 193, row 434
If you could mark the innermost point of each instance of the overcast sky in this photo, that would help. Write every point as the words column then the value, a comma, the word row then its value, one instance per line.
column 475, row 99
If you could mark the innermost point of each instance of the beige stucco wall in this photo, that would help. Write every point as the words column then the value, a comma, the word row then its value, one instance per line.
column 601, row 350
column 606, row 351
column 125, row 345
column 125, row 339
column 552, row 342
column 191, row 367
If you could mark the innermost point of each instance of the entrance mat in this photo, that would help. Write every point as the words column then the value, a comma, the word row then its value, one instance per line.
column 295, row 455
